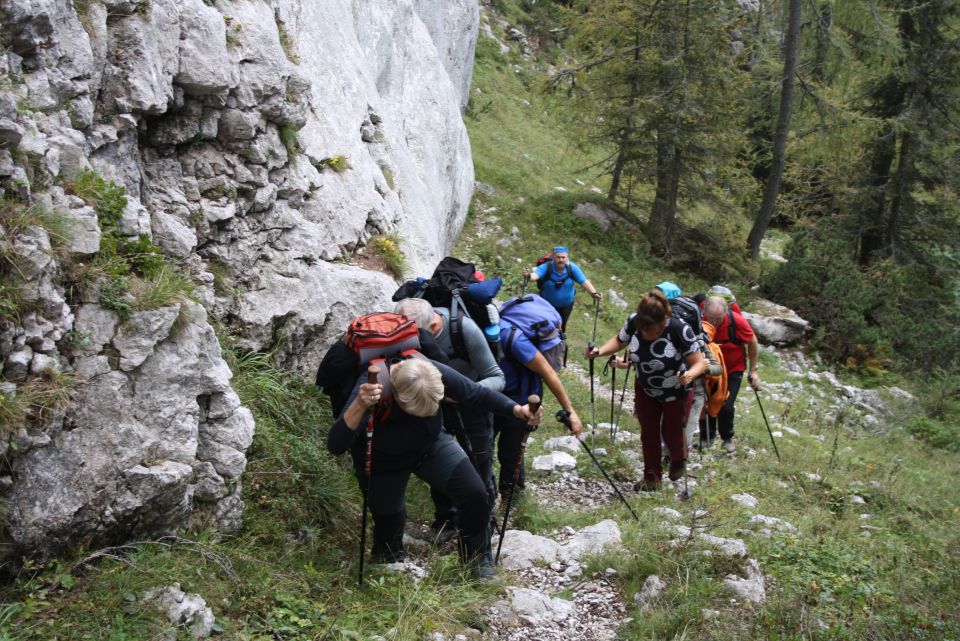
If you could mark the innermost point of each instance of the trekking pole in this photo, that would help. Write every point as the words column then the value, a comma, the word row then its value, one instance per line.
column 464, row 439
column 623, row 394
column 685, row 495
column 534, row 401
column 593, row 403
column 613, row 392
column 767, row 423
column 564, row 417
column 523, row 290
column 371, row 379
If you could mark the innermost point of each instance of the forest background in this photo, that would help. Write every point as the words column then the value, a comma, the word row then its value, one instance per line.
column 835, row 122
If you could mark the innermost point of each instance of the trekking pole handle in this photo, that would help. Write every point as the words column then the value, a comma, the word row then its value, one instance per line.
column 534, row 402
column 564, row 417
column 372, row 372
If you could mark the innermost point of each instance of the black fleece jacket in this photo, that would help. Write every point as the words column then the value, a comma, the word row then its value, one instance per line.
column 402, row 440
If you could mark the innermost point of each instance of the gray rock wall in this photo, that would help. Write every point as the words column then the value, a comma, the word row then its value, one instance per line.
column 226, row 123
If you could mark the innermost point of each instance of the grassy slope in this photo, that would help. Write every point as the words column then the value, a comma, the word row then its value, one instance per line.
column 901, row 581
column 291, row 573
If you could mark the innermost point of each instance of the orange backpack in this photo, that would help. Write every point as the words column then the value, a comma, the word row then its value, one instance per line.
column 717, row 391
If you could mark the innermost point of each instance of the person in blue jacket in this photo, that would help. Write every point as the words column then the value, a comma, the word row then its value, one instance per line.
column 555, row 279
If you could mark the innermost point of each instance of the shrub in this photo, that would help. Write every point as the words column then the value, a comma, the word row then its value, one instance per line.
column 866, row 316
column 935, row 433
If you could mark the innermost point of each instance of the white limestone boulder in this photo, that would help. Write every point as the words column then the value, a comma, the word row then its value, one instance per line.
column 775, row 324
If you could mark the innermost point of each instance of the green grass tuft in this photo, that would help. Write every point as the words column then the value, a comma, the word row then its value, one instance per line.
column 290, row 139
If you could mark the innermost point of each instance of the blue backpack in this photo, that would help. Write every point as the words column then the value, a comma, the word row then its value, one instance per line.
column 536, row 318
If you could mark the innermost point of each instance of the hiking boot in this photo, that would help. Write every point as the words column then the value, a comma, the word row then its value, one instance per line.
column 728, row 446
column 387, row 555
column 443, row 535
column 478, row 555
column 647, row 485
column 483, row 567
column 677, row 468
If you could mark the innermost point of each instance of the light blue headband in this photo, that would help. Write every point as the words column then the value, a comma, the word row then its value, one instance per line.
column 560, row 249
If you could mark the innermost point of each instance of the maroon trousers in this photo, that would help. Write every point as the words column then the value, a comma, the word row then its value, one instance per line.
column 658, row 420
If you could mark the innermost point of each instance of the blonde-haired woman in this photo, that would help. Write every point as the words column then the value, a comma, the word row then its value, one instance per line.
column 409, row 440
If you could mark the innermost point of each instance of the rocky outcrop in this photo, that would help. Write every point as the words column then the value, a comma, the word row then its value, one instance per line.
column 260, row 147
column 775, row 324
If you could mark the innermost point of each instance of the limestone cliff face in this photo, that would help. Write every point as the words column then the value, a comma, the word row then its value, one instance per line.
column 261, row 141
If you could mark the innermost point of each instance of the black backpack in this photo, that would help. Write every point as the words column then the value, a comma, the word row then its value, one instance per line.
column 543, row 281
column 684, row 308
column 454, row 286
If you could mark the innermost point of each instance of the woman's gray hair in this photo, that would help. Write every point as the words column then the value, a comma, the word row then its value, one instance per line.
column 417, row 387
column 416, row 309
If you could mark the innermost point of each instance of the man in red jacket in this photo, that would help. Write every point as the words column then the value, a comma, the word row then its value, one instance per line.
column 738, row 343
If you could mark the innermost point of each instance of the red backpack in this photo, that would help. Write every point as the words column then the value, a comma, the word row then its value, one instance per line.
column 376, row 337
column 369, row 340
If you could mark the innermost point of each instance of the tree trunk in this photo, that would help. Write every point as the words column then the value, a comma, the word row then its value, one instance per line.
column 772, row 189
column 663, row 215
column 628, row 128
column 903, row 180
column 871, row 223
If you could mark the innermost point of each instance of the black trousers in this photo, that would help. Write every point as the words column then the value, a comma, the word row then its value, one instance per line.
column 509, row 431
column 724, row 419
column 477, row 429
column 564, row 315
column 445, row 468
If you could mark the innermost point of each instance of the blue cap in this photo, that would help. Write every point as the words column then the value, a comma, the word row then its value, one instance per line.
column 560, row 249
column 670, row 290
column 492, row 332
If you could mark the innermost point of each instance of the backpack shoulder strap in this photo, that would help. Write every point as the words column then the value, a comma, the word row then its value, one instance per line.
column 732, row 329
column 457, row 312
column 508, row 345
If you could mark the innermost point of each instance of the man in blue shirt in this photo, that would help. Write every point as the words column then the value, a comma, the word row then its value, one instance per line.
column 557, row 278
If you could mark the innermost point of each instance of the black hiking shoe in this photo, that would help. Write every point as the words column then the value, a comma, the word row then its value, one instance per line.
column 483, row 567
column 677, row 468
column 443, row 533
column 387, row 555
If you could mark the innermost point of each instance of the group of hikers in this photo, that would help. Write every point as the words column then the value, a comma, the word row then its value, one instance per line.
column 432, row 387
